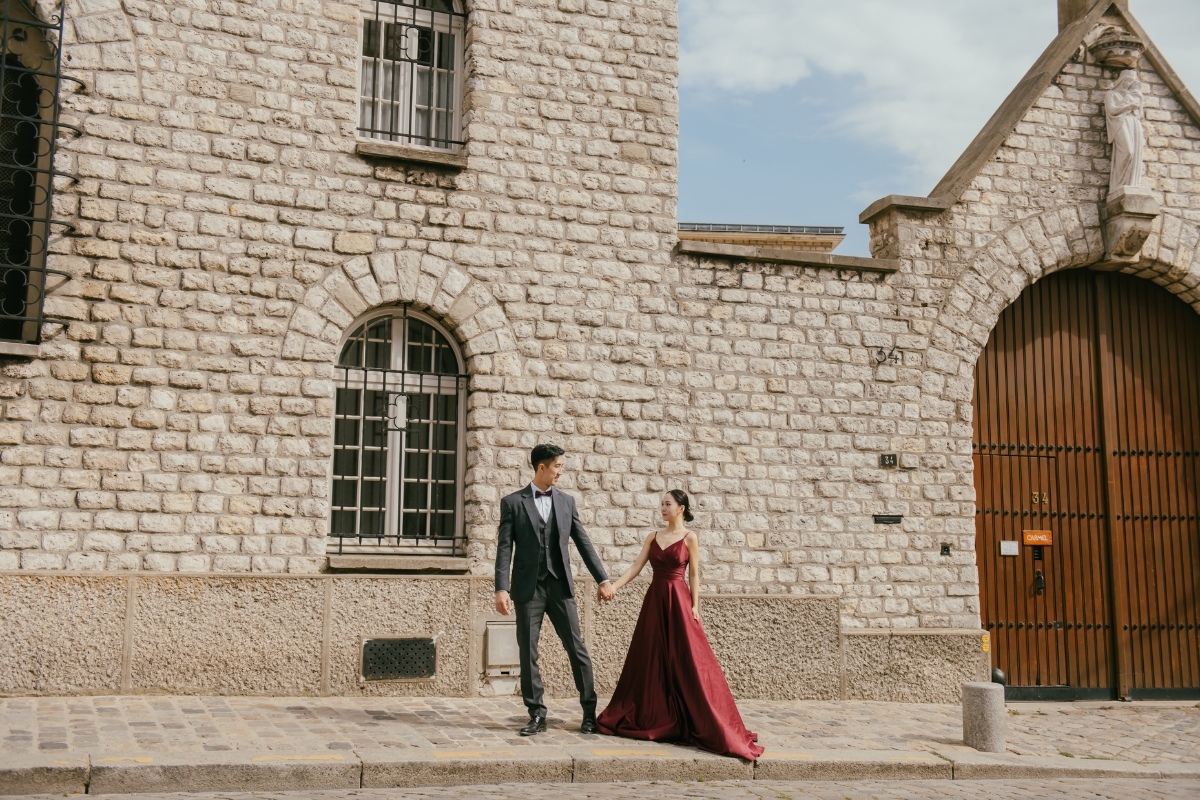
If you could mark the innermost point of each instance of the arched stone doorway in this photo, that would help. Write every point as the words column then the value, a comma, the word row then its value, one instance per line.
column 1087, row 428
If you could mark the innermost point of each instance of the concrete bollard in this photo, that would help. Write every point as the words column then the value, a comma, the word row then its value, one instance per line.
column 983, row 717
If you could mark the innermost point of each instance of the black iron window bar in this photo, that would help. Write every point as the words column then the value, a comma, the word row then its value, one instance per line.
column 30, row 77
column 411, row 68
column 397, row 442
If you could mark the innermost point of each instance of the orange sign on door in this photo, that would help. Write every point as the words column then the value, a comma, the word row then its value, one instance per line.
column 1038, row 537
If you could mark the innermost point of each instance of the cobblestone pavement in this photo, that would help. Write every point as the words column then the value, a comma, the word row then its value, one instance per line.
column 747, row 790
column 1139, row 732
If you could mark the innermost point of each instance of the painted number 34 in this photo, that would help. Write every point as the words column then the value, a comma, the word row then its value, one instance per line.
column 1040, row 497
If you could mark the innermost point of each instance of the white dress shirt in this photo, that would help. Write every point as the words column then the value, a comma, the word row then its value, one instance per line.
column 544, row 504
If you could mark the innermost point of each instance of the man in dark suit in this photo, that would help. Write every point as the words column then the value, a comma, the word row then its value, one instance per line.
column 535, row 524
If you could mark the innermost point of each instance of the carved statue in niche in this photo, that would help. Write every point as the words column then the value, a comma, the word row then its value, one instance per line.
column 1123, row 105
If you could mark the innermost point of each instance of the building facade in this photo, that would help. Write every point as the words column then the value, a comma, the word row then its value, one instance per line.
column 334, row 269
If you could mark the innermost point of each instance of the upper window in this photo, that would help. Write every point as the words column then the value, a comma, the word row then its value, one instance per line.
column 411, row 72
column 398, row 434
column 29, row 79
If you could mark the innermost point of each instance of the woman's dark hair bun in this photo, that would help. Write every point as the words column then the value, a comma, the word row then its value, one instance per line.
column 681, row 497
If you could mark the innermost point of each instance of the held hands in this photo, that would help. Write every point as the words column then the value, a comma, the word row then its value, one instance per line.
column 605, row 591
column 504, row 603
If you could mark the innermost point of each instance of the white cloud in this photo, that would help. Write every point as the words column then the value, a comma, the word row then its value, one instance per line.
column 927, row 73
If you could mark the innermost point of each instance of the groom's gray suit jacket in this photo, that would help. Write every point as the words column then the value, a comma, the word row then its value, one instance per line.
column 520, row 543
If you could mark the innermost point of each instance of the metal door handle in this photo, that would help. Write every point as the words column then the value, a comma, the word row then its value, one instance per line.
column 1039, row 583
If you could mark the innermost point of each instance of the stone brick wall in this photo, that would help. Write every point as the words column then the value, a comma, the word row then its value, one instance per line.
column 179, row 418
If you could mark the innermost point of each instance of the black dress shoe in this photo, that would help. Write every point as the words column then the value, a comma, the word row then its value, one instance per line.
column 589, row 725
column 536, row 725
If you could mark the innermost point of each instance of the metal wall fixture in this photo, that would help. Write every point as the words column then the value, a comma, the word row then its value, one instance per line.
column 30, row 76
column 399, row 659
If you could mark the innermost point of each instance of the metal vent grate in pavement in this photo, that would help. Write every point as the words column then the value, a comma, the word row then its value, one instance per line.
column 396, row 659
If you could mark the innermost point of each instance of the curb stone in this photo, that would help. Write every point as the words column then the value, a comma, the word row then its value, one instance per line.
column 36, row 774
column 227, row 770
column 418, row 767
column 1006, row 766
column 647, row 761
column 781, row 764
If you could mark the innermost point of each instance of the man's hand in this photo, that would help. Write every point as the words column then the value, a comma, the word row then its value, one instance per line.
column 504, row 604
column 605, row 591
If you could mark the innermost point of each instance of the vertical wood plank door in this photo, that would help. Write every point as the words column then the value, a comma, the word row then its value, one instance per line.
column 1039, row 466
column 1087, row 425
column 1154, row 345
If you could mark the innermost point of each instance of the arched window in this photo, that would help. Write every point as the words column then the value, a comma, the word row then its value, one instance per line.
column 398, row 438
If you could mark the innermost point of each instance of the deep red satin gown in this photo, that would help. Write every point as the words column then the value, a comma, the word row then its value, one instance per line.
column 671, row 687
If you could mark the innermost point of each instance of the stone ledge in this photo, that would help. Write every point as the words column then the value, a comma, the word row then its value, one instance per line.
column 970, row 765
column 23, row 773
column 405, row 152
column 20, row 349
column 800, row 257
column 906, row 203
column 372, row 563
column 225, row 771
column 783, row 764
column 606, row 760
column 417, row 767
column 912, row 631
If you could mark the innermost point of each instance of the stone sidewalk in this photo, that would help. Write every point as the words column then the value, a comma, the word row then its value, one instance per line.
column 1055, row 789
column 168, row 743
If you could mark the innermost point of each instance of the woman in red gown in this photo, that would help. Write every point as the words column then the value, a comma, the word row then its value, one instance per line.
column 672, row 687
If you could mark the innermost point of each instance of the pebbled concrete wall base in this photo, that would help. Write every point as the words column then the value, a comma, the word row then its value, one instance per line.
column 917, row 666
column 140, row 633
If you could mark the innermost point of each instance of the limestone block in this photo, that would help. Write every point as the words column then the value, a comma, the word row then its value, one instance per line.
column 984, row 717
column 64, row 774
column 63, row 634
column 814, row 764
column 234, row 770
column 400, row 607
column 421, row 766
column 235, row 635
column 776, row 647
column 923, row 666
column 624, row 760
column 609, row 631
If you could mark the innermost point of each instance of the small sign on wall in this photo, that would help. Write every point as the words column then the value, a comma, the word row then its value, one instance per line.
column 1010, row 547
column 1037, row 537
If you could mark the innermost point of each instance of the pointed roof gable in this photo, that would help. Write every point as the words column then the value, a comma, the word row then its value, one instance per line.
column 1056, row 56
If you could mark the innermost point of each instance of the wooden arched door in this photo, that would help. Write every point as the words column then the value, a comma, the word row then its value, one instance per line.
column 1087, row 438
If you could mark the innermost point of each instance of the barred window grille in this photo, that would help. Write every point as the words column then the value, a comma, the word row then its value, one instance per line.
column 411, row 71
column 29, row 126
column 399, row 416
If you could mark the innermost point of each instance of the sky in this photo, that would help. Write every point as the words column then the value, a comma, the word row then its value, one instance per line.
column 803, row 112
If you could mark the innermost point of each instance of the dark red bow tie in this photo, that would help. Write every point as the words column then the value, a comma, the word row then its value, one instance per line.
column 539, row 493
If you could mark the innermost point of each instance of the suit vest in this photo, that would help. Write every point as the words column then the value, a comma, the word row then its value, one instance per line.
column 550, row 559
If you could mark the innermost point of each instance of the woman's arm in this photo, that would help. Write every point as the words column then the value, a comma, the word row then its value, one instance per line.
column 693, row 546
column 637, row 566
